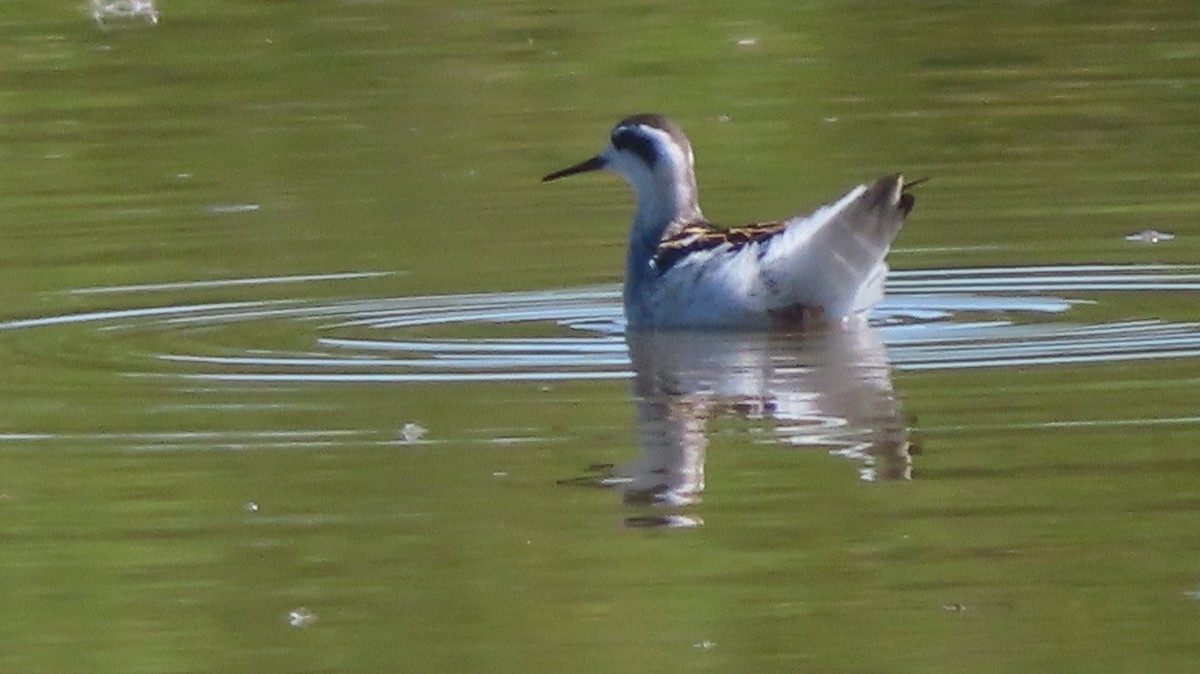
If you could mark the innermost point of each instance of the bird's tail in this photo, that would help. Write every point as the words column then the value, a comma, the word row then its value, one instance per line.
column 833, row 260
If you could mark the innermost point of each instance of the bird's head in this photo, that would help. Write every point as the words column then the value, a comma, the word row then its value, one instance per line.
column 654, row 156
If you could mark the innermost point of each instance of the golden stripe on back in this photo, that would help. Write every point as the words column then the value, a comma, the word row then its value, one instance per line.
column 683, row 240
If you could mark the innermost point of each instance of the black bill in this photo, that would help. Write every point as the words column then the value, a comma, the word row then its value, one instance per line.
column 594, row 164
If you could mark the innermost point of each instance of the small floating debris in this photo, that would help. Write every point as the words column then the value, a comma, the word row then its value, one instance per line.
column 250, row 507
column 411, row 433
column 301, row 617
column 1194, row 594
column 747, row 42
column 106, row 11
column 234, row 208
column 1149, row 236
column 954, row 608
column 705, row 645
column 500, row 473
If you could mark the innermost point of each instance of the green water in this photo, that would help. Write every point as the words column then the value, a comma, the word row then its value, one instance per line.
column 1053, row 520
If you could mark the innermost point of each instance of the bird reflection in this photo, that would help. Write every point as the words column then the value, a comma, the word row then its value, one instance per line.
column 830, row 389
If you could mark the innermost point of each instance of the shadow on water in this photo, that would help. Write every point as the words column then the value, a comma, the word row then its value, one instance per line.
column 831, row 389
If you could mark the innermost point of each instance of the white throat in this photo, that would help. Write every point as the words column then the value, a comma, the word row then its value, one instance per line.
column 666, row 197
column 666, row 192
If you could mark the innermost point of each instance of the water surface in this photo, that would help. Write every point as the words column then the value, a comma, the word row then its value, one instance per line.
column 304, row 372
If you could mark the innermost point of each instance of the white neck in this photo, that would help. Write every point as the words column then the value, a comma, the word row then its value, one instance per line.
column 665, row 189
column 664, row 199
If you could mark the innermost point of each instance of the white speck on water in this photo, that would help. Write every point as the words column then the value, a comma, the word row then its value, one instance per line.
column 411, row 433
column 1149, row 236
column 722, row 118
column 747, row 42
column 830, row 120
column 301, row 617
column 183, row 176
column 250, row 507
column 500, row 473
column 705, row 645
column 234, row 208
column 954, row 608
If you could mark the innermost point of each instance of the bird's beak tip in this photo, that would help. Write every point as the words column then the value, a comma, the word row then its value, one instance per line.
column 594, row 164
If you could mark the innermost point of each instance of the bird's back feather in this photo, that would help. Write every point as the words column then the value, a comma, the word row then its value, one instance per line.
column 830, row 262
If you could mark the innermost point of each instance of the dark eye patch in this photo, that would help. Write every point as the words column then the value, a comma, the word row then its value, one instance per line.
column 629, row 139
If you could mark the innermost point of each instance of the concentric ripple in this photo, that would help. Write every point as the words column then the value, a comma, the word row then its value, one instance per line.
column 932, row 319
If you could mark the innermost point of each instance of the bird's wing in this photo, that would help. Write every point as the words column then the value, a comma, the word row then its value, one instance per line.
column 829, row 263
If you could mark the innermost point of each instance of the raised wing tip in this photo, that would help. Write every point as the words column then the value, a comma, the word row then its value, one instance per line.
column 905, row 199
column 897, row 191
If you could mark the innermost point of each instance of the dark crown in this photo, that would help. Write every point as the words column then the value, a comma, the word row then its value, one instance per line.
column 627, row 135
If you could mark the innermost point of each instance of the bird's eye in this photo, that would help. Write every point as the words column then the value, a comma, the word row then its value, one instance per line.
column 627, row 139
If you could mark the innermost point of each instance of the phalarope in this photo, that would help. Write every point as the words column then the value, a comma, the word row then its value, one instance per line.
column 682, row 272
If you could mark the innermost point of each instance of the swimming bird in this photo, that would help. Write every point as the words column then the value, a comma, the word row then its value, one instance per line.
column 683, row 272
